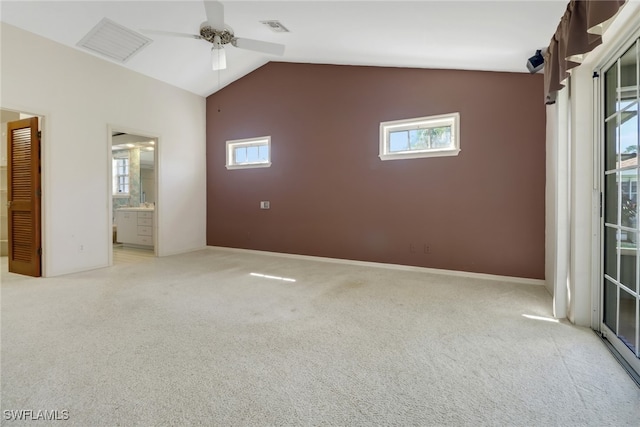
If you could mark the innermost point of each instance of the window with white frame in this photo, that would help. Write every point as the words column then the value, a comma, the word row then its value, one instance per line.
column 120, row 172
column 420, row 137
column 249, row 153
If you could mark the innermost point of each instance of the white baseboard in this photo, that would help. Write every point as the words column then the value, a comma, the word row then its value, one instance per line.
column 494, row 277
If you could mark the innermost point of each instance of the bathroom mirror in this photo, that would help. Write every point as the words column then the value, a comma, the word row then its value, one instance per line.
column 133, row 170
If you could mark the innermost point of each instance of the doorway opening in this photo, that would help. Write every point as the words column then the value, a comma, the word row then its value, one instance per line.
column 133, row 197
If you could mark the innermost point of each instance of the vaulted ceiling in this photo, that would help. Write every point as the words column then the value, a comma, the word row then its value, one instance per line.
column 474, row 35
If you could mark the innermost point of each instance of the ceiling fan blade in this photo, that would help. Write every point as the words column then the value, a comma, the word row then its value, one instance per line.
column 172, row 34
column 259, row 46
column 215, row 14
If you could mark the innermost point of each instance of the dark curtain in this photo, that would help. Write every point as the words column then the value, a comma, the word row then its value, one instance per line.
column 579, row 32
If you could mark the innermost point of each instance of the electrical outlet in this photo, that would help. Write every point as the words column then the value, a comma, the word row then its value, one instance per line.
column 265, row 204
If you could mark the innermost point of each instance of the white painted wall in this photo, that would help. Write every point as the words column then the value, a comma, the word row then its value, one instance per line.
column 79, row 95
column 582, row 164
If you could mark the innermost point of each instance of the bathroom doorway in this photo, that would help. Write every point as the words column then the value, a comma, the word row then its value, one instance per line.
column 133, row 196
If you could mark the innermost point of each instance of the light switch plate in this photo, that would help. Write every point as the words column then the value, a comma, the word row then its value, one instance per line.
column 265, row 204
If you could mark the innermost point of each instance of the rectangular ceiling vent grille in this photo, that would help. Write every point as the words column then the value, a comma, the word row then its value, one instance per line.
column 114, row 41
column 275, row 26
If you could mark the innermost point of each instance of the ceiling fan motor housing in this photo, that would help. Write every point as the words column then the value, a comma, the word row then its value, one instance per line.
column 209, row 34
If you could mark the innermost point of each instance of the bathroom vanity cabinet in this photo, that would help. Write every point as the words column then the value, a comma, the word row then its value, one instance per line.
column 134, row 226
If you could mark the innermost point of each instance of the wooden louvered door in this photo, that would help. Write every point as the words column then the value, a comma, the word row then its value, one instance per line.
column 24, row 195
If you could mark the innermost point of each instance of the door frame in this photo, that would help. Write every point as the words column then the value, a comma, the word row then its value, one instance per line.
column 599, row 151
column 156, row 214
column 43, row 123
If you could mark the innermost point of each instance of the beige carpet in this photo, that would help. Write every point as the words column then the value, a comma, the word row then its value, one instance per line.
column 196, row 339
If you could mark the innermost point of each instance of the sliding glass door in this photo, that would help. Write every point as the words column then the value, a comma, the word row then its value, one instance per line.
column 621, row 281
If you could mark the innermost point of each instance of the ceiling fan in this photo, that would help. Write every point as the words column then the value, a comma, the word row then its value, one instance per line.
column 218, row 34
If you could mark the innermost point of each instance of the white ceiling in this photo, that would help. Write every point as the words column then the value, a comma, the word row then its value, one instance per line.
column 473, row 35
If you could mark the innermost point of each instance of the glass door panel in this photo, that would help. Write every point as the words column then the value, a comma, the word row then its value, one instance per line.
column 628, row 131
column 626, row 320
column 611, row 202
column 610, row 305
column 620, row 293
column 611, row 154
column 611, row 237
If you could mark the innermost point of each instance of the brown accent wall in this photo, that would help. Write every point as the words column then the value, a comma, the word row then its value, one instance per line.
column 331, row 195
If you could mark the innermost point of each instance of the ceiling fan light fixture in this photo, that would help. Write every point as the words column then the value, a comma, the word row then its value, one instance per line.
column 218, row 55
column 218, row 59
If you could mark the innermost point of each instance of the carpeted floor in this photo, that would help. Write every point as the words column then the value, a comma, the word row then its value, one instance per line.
column 196, row 339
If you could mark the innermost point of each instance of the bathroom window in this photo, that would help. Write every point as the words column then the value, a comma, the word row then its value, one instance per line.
column 431, row 136
column 120, row 176
column 249, row 153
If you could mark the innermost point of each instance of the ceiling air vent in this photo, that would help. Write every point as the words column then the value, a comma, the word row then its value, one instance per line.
column 275, row 26
column 114, row 41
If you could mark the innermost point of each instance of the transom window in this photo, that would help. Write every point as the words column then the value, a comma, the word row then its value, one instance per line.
column 420, row 137
column 249, row 153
